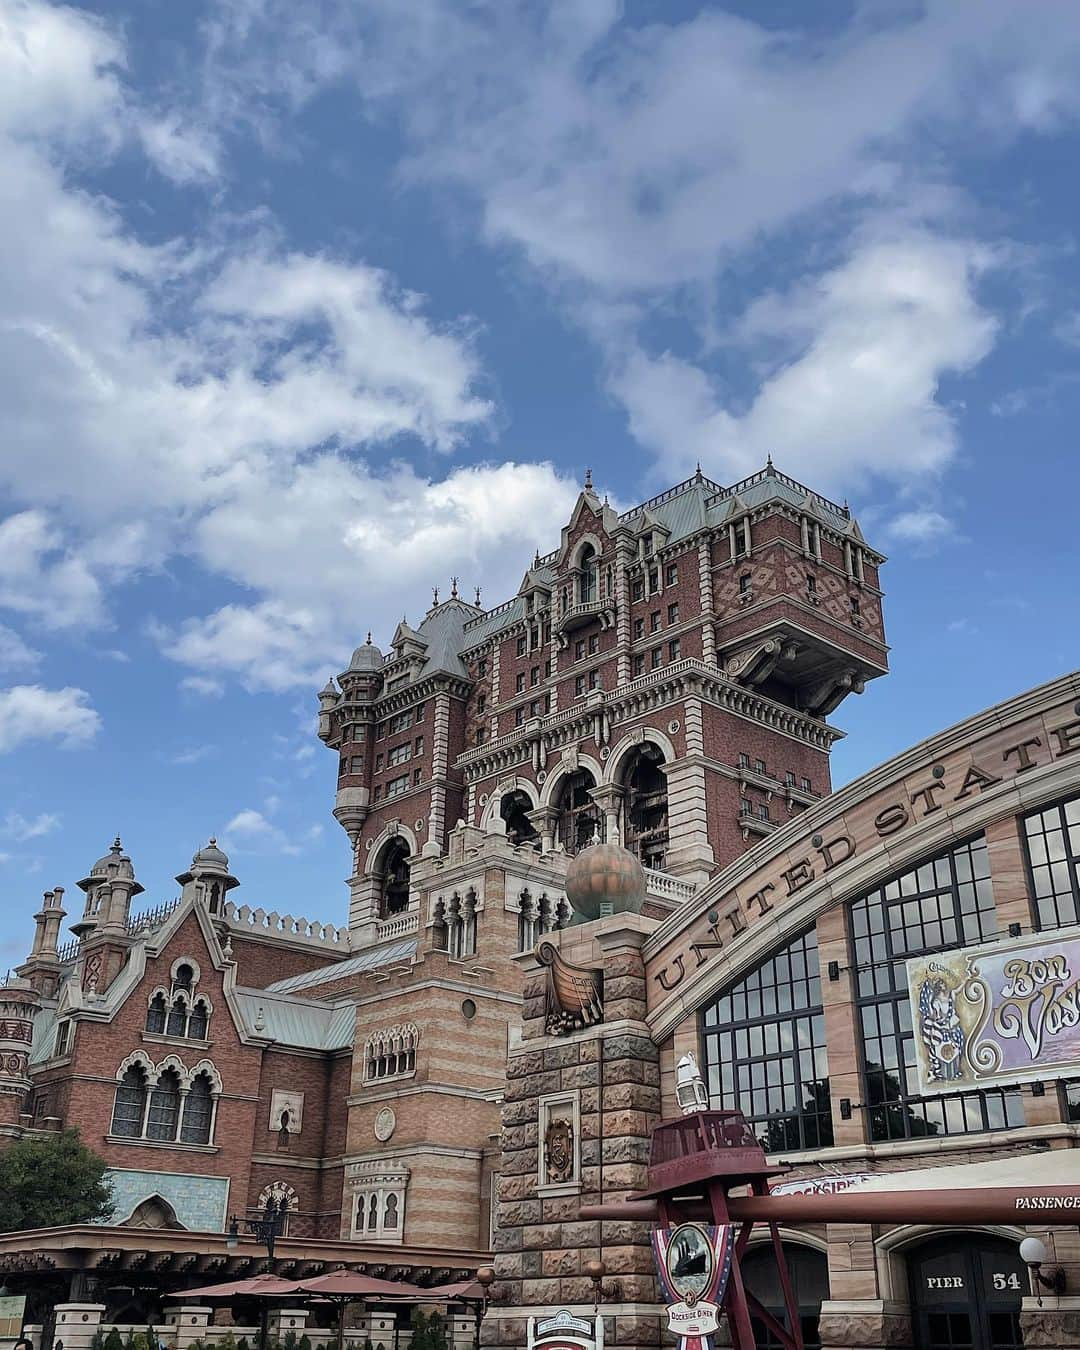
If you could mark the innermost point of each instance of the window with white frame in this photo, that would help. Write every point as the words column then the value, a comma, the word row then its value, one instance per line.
column 397, row 786
column 378, row 1200
column 399, row 754
column 391, row 1052
column 165, row 1103
column 181, row 1018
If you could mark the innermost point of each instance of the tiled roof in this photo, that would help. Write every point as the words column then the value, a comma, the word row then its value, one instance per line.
column 369, row 960
column 297, row 1022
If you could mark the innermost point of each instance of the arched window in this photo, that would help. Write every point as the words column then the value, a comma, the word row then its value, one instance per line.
column 514, row 809
column 588, row 565
column 808, row 1270
column 199, row 1021
column 198, row 1112
column 391, row 1053
column 765, row 1050
column 184, row 977
column 164, row 1114
column 646, row 808
column 129, row 1105
column 156, row 1014
column 539, row 915
column 395, row 879
column 579, row 816
column 178, row 1017
column 373, row 1213
column 390, row 1216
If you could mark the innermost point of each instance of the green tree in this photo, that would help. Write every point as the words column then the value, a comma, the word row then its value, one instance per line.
column 428, row 1332
column 50, row 1180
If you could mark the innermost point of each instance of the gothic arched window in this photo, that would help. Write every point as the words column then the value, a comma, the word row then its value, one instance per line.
column 646, row 809
column 198, row 1112
column 164, row 1114
column 395, row 883
column 579, row 816
column 129, row 1105
column 178, row 1017
column 156, row 1015
column 514, row 809
column 199, row 1021
column 588, row 565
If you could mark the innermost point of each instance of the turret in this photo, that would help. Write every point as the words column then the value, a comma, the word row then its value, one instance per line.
column 109, row 886
column 208, row 879
column 19, row 1005
column 345, row 725
column 42, row 968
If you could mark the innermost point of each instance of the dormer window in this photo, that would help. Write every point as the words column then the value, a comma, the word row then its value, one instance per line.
column 588, row 564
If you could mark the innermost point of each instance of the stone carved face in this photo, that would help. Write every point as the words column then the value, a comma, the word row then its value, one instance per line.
column 559, row 1150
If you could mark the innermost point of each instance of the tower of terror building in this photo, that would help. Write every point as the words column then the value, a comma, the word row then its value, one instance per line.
column 661, row 679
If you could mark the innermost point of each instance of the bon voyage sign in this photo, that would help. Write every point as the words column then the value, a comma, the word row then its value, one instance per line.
column 996, row 1014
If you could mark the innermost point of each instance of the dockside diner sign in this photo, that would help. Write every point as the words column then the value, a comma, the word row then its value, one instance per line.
column 946, row 782
column 1006, row 1012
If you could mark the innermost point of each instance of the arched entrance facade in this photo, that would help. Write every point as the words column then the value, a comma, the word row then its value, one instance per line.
column 808, row 1268
column 966, row 1290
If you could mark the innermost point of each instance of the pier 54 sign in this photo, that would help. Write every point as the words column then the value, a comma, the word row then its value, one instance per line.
column 1000, row 1013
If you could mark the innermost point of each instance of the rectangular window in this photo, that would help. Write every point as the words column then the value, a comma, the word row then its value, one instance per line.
column 744, row 584
column 343, row 766
column 380, row 731
column 357, row 764
column 673, row 649
column 639, row 628
column 534, row 676
column 594, row 679
column 548, row 668
column 945, row 902
column 759, row 766
column 547, row 703
column 811, row 584
column 400, row 721
column 378, row 792
column 594, row 643
column 481, row 668
column 579, row 649
column 672, row 574
column 534, row 708
column 637, row 590
column 656, row 658
column 805, row 785
column 418, row 777
column 789, row 779
column 519, row 717
column 763, row 811
column 481, row 735
column 520, row 683
column 673, row 613
column 579, row 686
column 654, row 621
column 746, row 807
column 522, row 644
column 534, row 639
column 63, row 1038
column 399, row 755
column 378, row 762
column 1052, row 846
column 481, row 703
column 418, row 713
column 639, row 664
column 744, row 760
column 397, row 786
column 855, row 605
column 418, row 746
column 654, row 580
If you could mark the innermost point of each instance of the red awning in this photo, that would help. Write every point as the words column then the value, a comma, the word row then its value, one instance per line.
column 347, row 1284
column 470, row 1290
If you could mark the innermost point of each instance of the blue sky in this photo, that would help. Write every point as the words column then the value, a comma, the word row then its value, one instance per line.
column 306, row 306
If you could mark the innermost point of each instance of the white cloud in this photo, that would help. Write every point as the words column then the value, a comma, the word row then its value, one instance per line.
column 249, row 831
column 202, row 685
column 923, row 527
column 16, row 826
column 194, row 754
column 29, row 712
column 15, row 653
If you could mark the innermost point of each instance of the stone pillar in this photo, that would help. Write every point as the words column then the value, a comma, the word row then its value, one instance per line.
column 623, row 557
column 864, row 1324
column 440, row 762
column 609, row 797
column 611, row 1072
column 842, row 1032
column 708, row 627
column 690, row 854
column 283, row 1320
column 1006, row 851
column 1051, row 1323
column 191, row 1321
column 77, row 1324
column 546, row 820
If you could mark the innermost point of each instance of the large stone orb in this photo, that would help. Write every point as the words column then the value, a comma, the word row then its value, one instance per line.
column 605, row 879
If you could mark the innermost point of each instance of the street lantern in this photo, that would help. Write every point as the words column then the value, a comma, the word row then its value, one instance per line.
column 690, row 1086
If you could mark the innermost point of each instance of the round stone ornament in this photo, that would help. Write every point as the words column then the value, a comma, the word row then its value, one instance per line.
column 605, row 878
column 385, row 1124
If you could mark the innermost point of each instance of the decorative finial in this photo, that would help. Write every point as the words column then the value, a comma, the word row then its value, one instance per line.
column 117, row 847
column 588, row 480
column 435, row 593
column 453, row 588
column 536, row 559
column 369, row 637
column 478, row 597
column 697, row 472
column 213, row 841
column 768, row 461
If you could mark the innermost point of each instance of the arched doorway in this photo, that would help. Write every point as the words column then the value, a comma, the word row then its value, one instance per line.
column 514, row 809
column 394, row 893
column 646, row 809
column 809, row 1271
column 579, row 816
column 965, row 1293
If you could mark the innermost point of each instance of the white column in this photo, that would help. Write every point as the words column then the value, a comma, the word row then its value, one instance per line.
column 708, row 630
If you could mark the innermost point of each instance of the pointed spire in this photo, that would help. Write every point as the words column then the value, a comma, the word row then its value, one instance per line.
column 478, row 597
column 453, row 588
column 435, row 593
column 536, row 559
column 768, row 461
column 697, row 472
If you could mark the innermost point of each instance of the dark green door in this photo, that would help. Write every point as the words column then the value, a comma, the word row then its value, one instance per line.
column 965, row 1294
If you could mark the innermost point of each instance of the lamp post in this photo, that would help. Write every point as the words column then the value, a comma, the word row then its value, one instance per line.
column 265, row 1228
column 485, row 1277
column 1033, row 1254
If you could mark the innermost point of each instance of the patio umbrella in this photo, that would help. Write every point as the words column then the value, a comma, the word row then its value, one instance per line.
column 266, row 1286
column 346, row 1286
column 466, row 1291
